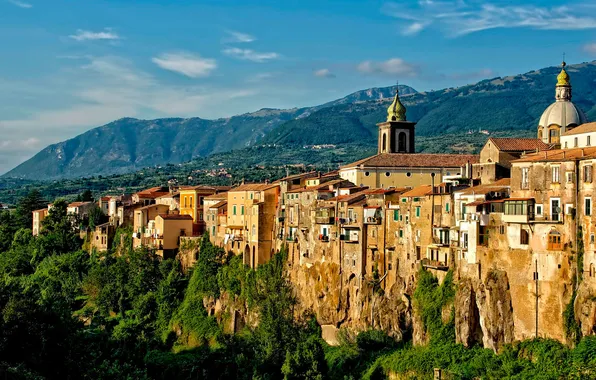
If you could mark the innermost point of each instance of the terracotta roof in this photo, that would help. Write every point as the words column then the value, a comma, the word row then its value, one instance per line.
column 419, row 191
column 152, row 193
column 301, row 175
column 217, row 196
column 518, row 145
column 500, row 185
column 41, row 210
column 78, row 204
column 559, row 155
column 105, row 198
column 254, row 187
column 154, row 205
column 219, row 204
column 175, row 217
column 477, row 203
column 584, row 128
column 348, row 197
column 205, row 188
column 415, row 160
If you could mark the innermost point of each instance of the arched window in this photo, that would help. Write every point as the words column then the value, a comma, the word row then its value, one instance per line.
column 384, row 146
column 554, row 241
column 591, row 270
column 401, row 142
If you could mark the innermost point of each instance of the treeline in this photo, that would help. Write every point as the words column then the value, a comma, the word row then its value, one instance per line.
column 127, row 314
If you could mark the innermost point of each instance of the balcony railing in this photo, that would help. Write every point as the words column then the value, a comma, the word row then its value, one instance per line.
column 372, row 220
column 434, row 264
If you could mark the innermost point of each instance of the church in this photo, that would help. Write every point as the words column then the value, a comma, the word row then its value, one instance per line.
column 397, row 164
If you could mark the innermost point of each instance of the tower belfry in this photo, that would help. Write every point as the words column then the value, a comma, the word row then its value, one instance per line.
column 396, row 135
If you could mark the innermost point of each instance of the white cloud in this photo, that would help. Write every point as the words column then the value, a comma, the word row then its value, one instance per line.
column 323, row 73
column 414, row 28
column 458, row 17
column 191, row 65
column 260, row 77
column 393, row 67
column 20, row 4
column 590, row 48
column 250, row 55
column 87, row 35
column 239, row 37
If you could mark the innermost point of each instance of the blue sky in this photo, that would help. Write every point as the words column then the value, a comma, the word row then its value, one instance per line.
column 68, row 66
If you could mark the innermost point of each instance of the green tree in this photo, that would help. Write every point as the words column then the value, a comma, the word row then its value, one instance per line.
column 25, row 207
column 58, row 233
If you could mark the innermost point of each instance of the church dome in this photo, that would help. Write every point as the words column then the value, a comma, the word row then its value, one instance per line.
column 563, row 114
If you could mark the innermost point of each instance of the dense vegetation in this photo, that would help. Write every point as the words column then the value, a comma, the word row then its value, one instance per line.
column 66, row 313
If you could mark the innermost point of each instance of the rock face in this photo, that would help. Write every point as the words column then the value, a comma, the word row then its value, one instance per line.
column 483, row 312
column 231, row 312
column 585, row 307
column 350, row 303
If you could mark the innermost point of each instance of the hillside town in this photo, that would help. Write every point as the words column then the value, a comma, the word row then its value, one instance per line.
column 515, row 225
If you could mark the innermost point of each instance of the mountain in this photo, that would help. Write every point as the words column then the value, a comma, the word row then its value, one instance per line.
column 129, row 144
column 512, row 103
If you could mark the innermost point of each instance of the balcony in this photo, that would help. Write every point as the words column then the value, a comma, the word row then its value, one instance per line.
column 372, row 220
column 281, row 219
column 324, row 238
column 324, row 220
column 520, row 210
column 434, row 264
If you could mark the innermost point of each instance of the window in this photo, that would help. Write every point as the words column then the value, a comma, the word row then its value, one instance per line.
column 401, row 233
column 538, row 210
column 234, row 210
column 555, row 208
column 446, row 207
column 554, row 241
column 569, row 176
column 407, row 219
column 417, row 211
column 185, row 201
column 201, row 216
column 525, row 178
column 241, row 210
column 591, row 238
column 251, row 195
column 587, row 206
column 366, row 174
column 502, row 229
column 575, row 142
column 555, row 174
column 588, row 173
column 524, row 237
column 387, row 174
column 588, row 143
column 191, row 204
column 212, row 230
column 395, row 215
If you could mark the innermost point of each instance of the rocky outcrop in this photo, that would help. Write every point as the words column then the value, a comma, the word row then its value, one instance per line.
column 585, row 308
column 350, row 302
column 230, row 311
column 467, row 316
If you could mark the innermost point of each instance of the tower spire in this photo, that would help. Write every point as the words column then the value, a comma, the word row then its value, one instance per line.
column 396, row 111
column 563, row 88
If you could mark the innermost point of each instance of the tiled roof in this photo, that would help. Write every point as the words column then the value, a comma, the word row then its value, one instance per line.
column 310, row 174
column 254, row 187
column 78, row 204
column 150, row 206
column 175, row 217
column 584, row 128
column 419, row 191
column 41, row 210
column 518, row 145
column 415, row 160
column 500, row 185
column 203, row 188
column 217, row 196
column 559, row 155
column 219, row 204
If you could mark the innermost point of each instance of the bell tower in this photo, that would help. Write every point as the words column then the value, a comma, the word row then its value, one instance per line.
column 396, row 135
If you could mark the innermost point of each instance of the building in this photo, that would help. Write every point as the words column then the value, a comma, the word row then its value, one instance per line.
column 102, row 237
column 169, row 228
column 397, row 165
column 148, row 196
column 562, row 115
column 143, row 221
column 38, row 217
column 80, row 209
column 580, row 137
column 192, row 203
column 251, row 212
column 497, row 154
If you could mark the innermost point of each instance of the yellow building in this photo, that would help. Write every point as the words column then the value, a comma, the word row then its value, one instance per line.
column 192, row 199
column 168, row 230
column 38, row 217
column 397, row 165
column 250, row 226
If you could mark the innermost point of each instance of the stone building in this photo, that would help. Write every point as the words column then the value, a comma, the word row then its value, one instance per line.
column 38, row 217
column 250, row 226
column 397, row 165
column 562, row 115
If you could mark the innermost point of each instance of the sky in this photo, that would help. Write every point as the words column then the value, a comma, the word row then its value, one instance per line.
column 67, row 66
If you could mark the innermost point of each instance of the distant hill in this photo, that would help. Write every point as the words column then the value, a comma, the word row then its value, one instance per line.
column 512, row 103
column 130, row 144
